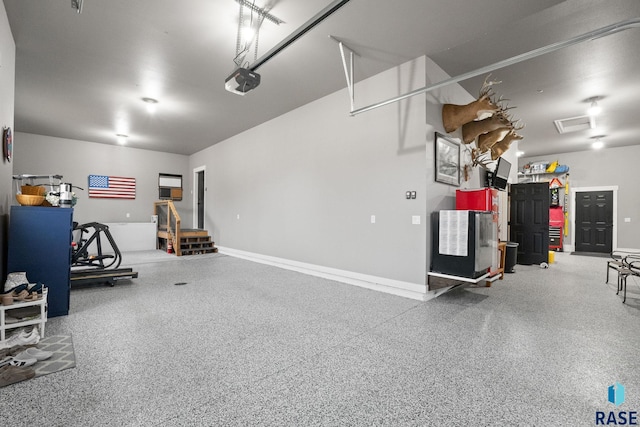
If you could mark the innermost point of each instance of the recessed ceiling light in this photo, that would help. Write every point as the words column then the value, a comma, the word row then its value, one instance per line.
column 152, row 104
column 598, row 143
column 594, row 109
column 122, row 138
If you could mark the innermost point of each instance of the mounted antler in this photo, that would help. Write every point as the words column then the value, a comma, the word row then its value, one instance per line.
column 454, row 116
column 499, row 148
column 488, row 140
column 487, row 86
column 479, row 159
column 516, row 127
column 471, row 130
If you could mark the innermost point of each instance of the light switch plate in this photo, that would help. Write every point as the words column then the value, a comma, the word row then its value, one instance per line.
column 415, row 220
column 373, row 219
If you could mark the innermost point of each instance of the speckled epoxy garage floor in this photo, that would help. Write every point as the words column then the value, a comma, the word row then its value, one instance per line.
column 248, row 344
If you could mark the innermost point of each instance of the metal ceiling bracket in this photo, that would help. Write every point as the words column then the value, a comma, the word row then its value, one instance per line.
column 260, row 11
column 592, row 35
column 348, row 70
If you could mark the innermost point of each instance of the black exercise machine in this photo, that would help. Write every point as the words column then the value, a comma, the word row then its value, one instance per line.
column 101, row 267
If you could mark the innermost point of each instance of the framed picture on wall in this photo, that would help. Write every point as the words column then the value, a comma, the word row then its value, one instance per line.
column 447, row 168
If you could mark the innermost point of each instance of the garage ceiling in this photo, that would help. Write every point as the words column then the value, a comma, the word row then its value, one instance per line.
column 82, row 75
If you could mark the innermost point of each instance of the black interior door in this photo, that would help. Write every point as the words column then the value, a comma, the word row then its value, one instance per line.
column 200, row 199
column 594, row 221
column 529, row 221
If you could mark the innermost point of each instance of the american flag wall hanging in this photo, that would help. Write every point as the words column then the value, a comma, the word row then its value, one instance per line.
column 112, row 187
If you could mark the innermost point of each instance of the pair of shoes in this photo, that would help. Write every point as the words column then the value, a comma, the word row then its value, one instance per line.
column 29, row 338
column 23, row 360
column 13, row 374
column 26, row 357
column 12, row 351
column 35, row 287
column 28, row 296
column 19, row 294
column 21, row 338
column 14, row 280
column 36, row 353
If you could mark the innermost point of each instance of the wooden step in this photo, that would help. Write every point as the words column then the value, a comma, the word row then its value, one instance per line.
column 192, row 242
column 193, row 232
column 189, row 232
column 198, row 251
column 197, row 245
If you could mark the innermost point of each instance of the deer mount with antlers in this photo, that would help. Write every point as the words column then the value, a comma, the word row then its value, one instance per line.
column 484, row 121
column 454, row 116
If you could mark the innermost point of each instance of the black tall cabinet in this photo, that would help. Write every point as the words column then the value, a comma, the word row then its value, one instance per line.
column 40, row 244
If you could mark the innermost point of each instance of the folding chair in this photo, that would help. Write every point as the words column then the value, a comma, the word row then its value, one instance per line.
column 616, row 263
column 631, row 267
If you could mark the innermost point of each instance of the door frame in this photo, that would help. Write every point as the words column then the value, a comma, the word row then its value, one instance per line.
column 572, row 214
column 194, row 197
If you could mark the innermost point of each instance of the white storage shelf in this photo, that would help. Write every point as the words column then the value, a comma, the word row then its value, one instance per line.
column 540, row 176
column 41, row 319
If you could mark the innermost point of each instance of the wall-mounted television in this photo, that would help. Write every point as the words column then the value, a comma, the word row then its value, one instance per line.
column 501, row 174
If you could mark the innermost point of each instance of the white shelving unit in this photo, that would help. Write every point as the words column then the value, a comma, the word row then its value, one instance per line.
column 523, row 178
column 41, row 319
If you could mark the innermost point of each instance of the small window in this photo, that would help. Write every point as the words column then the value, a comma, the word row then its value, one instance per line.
column 169, row 186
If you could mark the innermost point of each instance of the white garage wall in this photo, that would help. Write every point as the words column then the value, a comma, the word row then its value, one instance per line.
column 7, row 95
column 305, row 184
column 76, row 160
column 303, row 187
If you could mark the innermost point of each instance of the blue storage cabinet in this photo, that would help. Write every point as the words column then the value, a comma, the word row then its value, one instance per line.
column 40, row 244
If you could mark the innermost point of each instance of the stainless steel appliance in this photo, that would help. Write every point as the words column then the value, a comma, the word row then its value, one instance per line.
column 66, row 195
column 462, row 242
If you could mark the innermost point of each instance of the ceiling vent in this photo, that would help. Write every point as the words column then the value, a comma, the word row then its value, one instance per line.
column 575, row 124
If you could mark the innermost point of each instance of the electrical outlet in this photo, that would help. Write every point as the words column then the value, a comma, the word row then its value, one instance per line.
column 413, row 194
column 128, row 214
column 627, row 220
column 415, row 220
column 238, row 217
column 373, row 219
column 408, row 194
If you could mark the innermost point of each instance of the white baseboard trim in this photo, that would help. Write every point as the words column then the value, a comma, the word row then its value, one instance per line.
column 381, row 284
column 635, row 250
column 571, row 248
